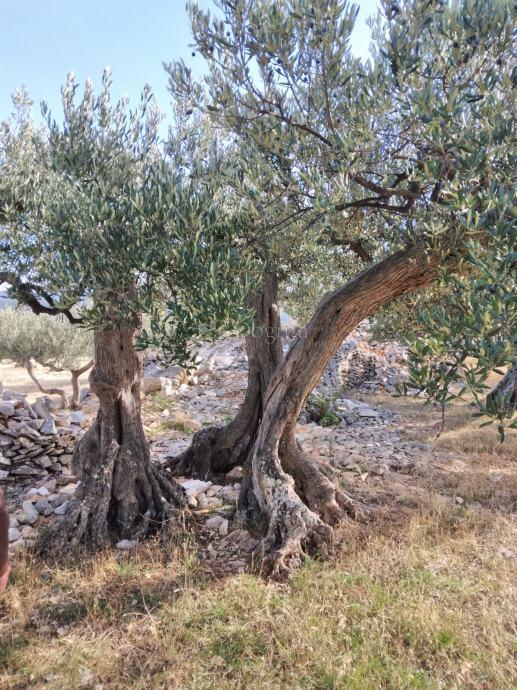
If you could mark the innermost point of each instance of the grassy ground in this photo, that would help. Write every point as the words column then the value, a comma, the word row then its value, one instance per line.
column 425, row 601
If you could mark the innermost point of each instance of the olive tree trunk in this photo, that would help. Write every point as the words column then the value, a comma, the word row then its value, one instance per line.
column 216, row 450
column 76, row 373
column 506, row 389
column 121, row 494
column 295, row 498
column 289, row 499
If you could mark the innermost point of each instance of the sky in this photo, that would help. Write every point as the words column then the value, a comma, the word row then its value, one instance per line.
column 43, row 40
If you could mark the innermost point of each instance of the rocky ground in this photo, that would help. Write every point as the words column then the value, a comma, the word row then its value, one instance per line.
column 364, row 442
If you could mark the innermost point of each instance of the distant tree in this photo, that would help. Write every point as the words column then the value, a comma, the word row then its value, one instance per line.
column 49, row 341
column 406, row 156
column 99, row 226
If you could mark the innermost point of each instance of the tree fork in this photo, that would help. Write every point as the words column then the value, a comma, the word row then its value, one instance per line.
column 295, row 498
column 76, row 373
column 217, row 450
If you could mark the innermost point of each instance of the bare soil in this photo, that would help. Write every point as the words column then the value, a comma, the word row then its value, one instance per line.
column 15, row 378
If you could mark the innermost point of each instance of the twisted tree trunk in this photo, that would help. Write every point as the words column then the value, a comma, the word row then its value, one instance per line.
column 289, row 499
column 76, row 373
column 48, row 391
column 217, row 450
column 295, row 498
column 121, row 495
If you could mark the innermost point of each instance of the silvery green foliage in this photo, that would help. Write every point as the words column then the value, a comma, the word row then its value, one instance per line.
column 413, row 145
column 471, row 334
column 97, row 216
column 48, row 340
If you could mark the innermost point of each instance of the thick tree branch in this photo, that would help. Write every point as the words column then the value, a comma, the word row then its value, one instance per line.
column 355, row 245
column 387, row 192
column 25, row 293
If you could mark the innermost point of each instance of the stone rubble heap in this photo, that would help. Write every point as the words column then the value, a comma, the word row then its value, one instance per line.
column 34, row 443
column 224, row 355
column 365, row 365
column 36, row 450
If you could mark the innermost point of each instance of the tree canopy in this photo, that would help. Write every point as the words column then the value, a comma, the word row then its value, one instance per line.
column 410, row 147
column 98, row 220
column 297, row 160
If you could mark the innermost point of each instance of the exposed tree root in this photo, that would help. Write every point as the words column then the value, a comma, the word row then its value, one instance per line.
column 296, row 502
column 215, row 450
column 116, row 500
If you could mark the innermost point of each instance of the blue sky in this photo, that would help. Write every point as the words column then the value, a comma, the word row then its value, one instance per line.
column 43, row 40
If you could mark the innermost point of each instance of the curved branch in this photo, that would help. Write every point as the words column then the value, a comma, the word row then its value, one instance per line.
column 25, row 294
column 47, row 391
column 76, row 373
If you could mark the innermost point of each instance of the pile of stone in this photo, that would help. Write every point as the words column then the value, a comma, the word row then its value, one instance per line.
column 36, row 451
column 203, row 495
column 348, row 413
column 34, row 442
column 169, row 379
column 53, row 497
column 366, row 365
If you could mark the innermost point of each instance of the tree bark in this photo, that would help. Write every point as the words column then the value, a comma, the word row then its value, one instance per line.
column 76, row 373
column 289, row 499
column 121, row 494
column 47, row 391
column 217, row 450
column 294, row 497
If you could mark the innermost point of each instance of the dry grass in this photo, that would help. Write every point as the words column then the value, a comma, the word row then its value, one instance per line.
column 16, row 378
column 425, row 603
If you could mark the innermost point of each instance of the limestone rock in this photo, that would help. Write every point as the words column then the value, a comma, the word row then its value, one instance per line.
column 235, row 473
column 43, row 407
column 68, row 489
column 193, row 487
column 213, row 523
column 30, row 514
column 48, row 427
column 151, row 384
column 78, row 418
column 6, row 409
column 63, row 508
column 14, row 534
column 126, row 544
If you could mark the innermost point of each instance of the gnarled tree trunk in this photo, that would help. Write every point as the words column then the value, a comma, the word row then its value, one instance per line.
column 294, row 497
column 217, row 450
column 121, row 494
column 506, row 389
column 290, row 499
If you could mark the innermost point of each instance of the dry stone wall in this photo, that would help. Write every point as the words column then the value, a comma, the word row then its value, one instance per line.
column 34, row 443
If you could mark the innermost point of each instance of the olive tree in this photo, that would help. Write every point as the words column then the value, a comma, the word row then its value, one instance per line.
column 291, row 257
column 50, row 341
column 407, row 155
column 99, row 226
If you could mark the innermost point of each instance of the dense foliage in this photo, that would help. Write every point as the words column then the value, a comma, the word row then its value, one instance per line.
column 96, row 216
column 51, row 341
column 410, row 147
